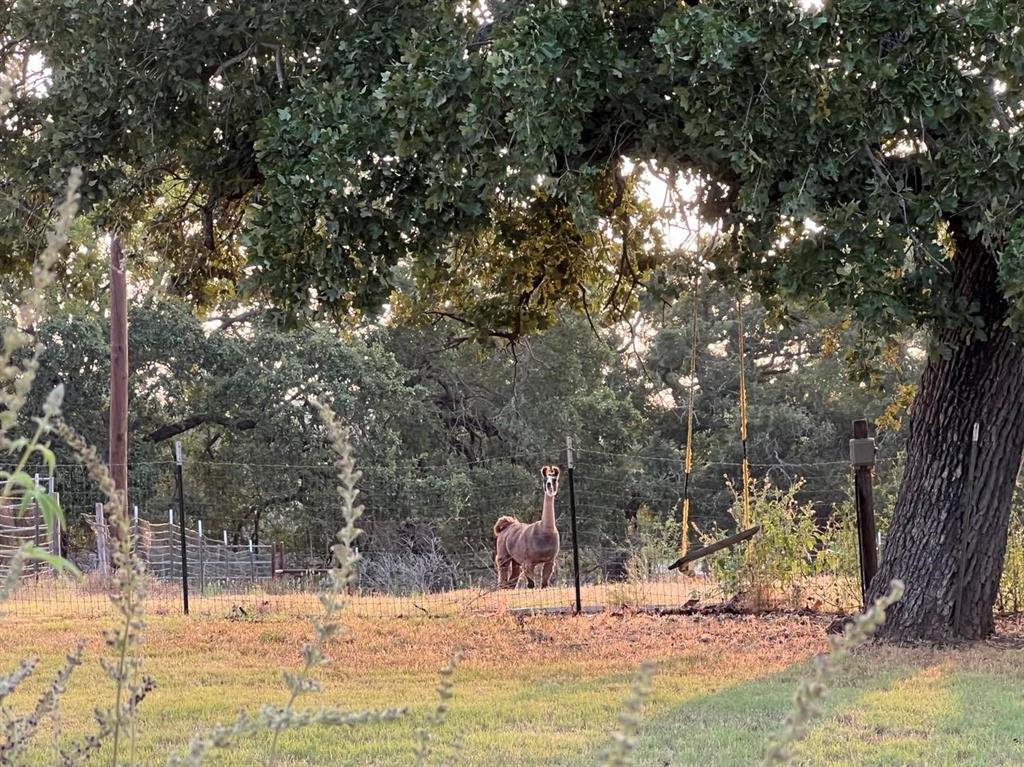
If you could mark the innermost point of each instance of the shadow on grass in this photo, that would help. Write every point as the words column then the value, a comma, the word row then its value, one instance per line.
column 988, row 728
column 947, row 711
column 732, row 724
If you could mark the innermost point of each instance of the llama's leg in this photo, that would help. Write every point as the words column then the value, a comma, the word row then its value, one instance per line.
column 502, row 569
column 514, row 571
column 545, row 574
column 528, row 571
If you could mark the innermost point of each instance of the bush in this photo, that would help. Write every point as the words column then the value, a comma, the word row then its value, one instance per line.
column 1011, row 587
column 773, row 567
column 426, row 570
column 652, row 545
column 838, row 558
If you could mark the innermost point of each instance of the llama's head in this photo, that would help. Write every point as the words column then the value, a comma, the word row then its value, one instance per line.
column 550, row 475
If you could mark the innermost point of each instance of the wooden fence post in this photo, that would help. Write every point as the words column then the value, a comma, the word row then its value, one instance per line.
column 118, row 371
column 55, row 547
column 101, row 543
column 202, row 558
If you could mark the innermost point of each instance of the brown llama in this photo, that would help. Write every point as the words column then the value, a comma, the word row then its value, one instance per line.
column 520, row 546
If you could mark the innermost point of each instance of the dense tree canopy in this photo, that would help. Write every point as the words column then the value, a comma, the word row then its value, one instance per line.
column 485, row 148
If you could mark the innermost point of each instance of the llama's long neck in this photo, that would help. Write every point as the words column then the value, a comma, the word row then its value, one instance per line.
column 547, row 516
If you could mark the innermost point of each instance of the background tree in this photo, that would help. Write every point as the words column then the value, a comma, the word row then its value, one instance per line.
column 451, row 431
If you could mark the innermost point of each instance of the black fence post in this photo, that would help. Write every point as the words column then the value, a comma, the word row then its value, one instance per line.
column 862, row 458
column 179, row 483
column 572, row 521
column 55, row 547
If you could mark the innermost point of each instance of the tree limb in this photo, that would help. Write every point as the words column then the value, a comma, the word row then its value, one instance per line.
column 199, row 419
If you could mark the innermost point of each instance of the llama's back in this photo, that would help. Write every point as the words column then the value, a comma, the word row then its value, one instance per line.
column 503, row 524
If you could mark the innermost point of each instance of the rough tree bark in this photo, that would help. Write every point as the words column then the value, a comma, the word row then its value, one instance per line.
column 982, row 382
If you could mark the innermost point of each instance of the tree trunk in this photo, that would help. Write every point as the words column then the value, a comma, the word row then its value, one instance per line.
column 981, row 382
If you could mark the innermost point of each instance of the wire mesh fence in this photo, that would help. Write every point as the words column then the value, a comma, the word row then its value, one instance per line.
column 257, row 538
column 20, row 524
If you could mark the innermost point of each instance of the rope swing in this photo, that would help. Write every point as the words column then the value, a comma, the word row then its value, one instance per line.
column 743, row 414
column 746, row 531
column 688, row 461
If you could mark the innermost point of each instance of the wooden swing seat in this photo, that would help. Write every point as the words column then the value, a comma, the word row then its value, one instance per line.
column 725, row 543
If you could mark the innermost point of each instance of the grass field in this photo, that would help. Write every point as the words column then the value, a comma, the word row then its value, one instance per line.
column 546, row 690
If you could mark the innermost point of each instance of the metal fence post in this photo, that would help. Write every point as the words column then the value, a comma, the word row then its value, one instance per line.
column 51, row 489
column 572, row 522
column 862, row 458
column 179, row 482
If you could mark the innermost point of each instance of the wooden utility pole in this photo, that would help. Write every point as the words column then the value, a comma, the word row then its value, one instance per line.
column 862, row 458
column 118, row 372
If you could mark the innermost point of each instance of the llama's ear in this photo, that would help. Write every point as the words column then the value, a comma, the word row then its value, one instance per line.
column 544, row 470
column 555, row 471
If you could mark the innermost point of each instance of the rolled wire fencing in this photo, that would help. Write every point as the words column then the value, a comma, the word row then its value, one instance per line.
column 257, row 538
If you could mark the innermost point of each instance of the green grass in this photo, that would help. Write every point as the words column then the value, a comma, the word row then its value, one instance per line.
column 546, row 691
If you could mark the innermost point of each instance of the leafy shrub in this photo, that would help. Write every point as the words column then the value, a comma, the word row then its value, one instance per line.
column 837, row 558
column 426, row 570
column 1011, row 587
column 653, row 543
column 774, row 565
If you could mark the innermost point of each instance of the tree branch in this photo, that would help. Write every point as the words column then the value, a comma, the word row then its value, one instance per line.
column 227, row 321
column 199, row 419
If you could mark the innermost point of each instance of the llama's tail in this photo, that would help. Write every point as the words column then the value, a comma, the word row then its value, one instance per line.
column 502, row 523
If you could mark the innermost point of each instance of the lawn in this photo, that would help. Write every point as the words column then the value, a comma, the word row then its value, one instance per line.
column 546, row 690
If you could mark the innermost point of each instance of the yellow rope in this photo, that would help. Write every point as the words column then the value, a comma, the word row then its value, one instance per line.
column 688, row 463
column 743, row 414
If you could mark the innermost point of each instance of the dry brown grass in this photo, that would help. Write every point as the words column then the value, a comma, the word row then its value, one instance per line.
column 717, row 643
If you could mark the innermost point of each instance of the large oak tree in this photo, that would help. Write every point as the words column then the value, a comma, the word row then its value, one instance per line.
column 858, row 157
